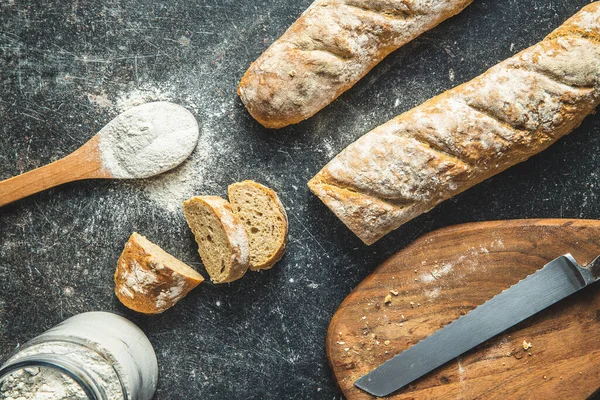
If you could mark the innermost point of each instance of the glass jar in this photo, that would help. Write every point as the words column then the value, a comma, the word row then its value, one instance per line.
column 94, row 355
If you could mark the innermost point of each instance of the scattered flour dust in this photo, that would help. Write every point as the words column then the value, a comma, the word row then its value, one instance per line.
column 433, row 293
column 438, row 272
column 466, row 260
column 170, row 189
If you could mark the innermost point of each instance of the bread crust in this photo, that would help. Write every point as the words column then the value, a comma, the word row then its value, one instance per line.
column 144, row 283
column 239, row 248
column 518, row 108
column 328, row 49
column 268, row 264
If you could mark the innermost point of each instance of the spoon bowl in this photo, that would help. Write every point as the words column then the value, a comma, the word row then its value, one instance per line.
column 143, row 141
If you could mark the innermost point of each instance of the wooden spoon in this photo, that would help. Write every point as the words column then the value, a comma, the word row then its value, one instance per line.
column 143, row 141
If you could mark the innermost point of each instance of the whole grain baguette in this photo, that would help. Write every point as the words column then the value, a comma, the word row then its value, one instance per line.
column 150, row 280
column 518, row 108
column 328, row 49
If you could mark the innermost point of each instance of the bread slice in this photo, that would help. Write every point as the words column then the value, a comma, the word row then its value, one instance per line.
column 264, row 219
column 150, row 280
column 222, row 240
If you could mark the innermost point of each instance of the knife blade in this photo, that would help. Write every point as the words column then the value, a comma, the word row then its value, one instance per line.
column 558, row 279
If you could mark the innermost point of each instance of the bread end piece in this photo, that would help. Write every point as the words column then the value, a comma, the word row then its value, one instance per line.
column 149, row 280
column 331, row 46
column 222, row 241
column 263, row 113
column 264, row 219
column 353, row 208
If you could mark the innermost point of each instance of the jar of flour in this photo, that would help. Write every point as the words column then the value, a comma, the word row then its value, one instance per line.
column 91, row 356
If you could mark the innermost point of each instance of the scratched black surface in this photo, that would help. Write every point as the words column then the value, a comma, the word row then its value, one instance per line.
column 261, row 337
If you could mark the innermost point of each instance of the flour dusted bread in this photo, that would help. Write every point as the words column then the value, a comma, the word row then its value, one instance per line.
column 150, row 280
column 264, row 220
column 222, row 241
column 516, row 109
column 328, row 49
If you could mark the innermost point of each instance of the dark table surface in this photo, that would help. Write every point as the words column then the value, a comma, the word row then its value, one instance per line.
column 68, row 67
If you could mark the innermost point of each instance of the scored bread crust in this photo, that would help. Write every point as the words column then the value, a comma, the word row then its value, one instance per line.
column 275, row 205
column 328, row 49
column 146, row 279
column 518, row 108
column 237, row 240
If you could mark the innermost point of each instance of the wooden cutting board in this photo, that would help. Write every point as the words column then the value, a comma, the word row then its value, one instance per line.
column 446, row 273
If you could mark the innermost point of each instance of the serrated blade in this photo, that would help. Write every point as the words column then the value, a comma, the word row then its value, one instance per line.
column 556, row 280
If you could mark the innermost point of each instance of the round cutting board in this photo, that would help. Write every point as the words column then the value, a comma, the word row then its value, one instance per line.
column 442, row 276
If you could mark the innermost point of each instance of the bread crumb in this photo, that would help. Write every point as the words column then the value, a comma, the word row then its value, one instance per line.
column 394, row 292
column 347, row 349
column 545, row 377
column 387, row 342
column 412, row 304
column 388, row 299
column 526, row 345
column 341, row 343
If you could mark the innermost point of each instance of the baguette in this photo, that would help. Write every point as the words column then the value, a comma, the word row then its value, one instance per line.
column 222, row 241
column 328, row 49
column 150, row 280
column 264, row 219
column 518, row 108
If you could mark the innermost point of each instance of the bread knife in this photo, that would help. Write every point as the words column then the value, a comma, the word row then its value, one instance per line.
column 558, row 279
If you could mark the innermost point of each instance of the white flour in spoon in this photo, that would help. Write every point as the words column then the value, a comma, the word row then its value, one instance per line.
column 147, row 140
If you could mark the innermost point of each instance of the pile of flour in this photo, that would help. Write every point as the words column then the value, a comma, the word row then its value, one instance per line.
column 147, row 140
column 52, row 384
column 41, row 384
column 170, row 189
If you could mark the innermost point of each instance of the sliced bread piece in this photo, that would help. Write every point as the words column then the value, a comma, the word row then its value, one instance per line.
column 222, row 240
column 150, row 280
column 264, row 219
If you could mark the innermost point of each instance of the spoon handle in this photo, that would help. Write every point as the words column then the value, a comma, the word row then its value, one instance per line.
column 83, row 163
